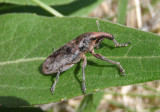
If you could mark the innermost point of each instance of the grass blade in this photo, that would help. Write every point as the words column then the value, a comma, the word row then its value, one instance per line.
column 122, row 10
column 47, row 8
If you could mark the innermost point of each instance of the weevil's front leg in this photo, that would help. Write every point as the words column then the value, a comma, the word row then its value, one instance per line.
column 53, row 86
column 120, row 45
column 99, row 56
column 83, row 67
column 112, row 38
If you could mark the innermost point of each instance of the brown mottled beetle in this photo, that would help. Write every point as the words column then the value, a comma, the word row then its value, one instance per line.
column 66, row 56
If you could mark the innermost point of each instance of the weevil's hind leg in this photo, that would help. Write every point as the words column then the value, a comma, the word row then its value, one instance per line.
column 120, row 45
column 54, row 85
column 83, row 67
column 98, row 25
column 99, row 56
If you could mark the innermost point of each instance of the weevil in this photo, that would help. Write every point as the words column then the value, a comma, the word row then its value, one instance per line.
column 72, row 52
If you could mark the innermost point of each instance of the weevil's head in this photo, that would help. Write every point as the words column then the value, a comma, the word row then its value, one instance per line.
column 86, row 42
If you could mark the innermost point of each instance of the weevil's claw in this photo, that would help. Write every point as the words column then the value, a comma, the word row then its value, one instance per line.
column 123, row 74
column 84, row 89
column 122, row 71
column 84, row 92
column 52, row 90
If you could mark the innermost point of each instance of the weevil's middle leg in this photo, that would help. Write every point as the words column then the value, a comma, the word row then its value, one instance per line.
column 83, row 67
column 54, row 85
column 99, row 56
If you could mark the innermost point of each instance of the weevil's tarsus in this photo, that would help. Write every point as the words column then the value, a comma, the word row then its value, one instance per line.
column 53, row 86
column 120, row 45
column 99, row 56
column 83, row 73
column 98, row 26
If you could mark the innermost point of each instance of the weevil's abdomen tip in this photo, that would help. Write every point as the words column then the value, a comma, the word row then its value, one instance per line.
column 45, row 70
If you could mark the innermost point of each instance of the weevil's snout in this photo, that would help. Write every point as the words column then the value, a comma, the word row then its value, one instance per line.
column 102, row 35
column 97, row 37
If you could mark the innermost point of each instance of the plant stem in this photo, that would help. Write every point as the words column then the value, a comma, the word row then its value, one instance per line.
column 48, row 8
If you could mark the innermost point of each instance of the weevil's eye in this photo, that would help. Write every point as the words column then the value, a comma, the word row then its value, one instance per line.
column 93, row 38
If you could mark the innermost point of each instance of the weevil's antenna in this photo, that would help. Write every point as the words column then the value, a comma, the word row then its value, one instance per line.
column 98, row 25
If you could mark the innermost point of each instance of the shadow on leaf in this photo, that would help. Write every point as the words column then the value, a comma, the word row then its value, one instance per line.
column 65, row 9
column 89, row 62
column 77, row 69
column 10, row 101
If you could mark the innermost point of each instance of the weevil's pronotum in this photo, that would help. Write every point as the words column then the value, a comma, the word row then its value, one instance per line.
column 71, row 53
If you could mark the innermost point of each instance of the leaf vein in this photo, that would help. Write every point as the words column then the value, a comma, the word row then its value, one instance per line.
column 43, row 58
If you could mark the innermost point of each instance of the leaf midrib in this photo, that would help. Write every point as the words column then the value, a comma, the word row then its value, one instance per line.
column 90, row 57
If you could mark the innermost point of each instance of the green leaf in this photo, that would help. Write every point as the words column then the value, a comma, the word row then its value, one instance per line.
column 26, row 40
column 67, row 8
column 122, row 9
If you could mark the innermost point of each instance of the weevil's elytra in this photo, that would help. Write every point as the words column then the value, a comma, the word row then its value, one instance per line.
column 71, row 53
